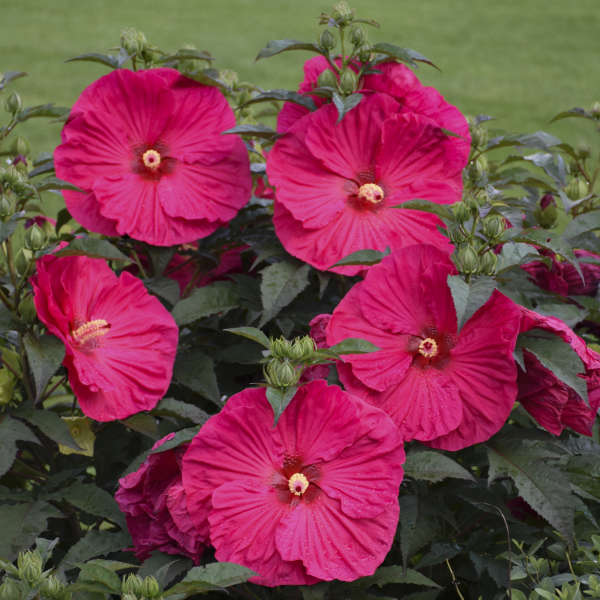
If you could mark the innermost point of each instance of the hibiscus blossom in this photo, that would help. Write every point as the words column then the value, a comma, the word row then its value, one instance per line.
column 154, row 503
column 550, row 402
column 120, row 341
column 448, row 388
column 337, row 183
column 147, row 150
column 313, row 498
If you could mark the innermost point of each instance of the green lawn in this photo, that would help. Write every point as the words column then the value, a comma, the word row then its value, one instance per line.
column 521, row 61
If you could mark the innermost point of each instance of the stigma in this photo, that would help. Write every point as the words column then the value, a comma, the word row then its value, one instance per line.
column 428, row 348
column 90, row 332
column 297, row 484
column 151, row 159
column 370, row 193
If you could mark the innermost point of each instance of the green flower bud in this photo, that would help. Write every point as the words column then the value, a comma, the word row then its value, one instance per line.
column 129, row 597
column 133, row 41
column 348, row 81
column 12, row 590
column 20, row 145
column 488, row 262
column 7, row 207
column 280, row 348
column 472, row 205
column 13, row 104
column 365, row 54
column 281, row 374
column 595, row 110
column 479, row 137
column 52, row 588
column 150, row 588
column 302, row 349
column 132, row 584
column 327, row 79
column 493, row 226
column 342, row 13
column 30, row 566
column 462, row 212
column 35, row 238
column 546, row 212
column 466, row 260
column 577, row 188
column 457, row 236
column 229, row 77
column 327, row 40
column 23, row 260
column 482, row 198
column 357, row 35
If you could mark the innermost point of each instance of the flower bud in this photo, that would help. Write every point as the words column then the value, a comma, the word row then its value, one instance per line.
column 364, row 56
column 466, row 260
column 229, row 77
column 577, row 188
column 493, row 226
column 595, row 110
column 488, row 262
column 327, row 79
column 457, row 236
column 35, row 238
column 52, row 588
column 342, row 13
column 280, row 348
column 462, row 212
column 131, row 584
column 482, row 198
column 327, row 40
column 357, row 35
column 23, row 260
column 129, row 597
column 133, row 41
column 20, row 146
column 7, row 207
column 281, row 374
column 12, row 590
column 302, row 349
column 348, row 81
column 13, row 104
column 546, row 212
column 150, row 588
column 30, row 566
column 479, row 137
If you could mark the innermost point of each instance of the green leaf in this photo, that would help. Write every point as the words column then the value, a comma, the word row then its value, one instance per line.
column 181, row 437
column 93, row 572
column 160, row 258
column 433, row 466
column 469, row 297
column 53, row 183
column 553, row 165
column 95, row 543
column 541, row 484
column 94, row 247
column 42, row 110
column 406, row 55
column 195, row 370
column 104, row 59
column 277, row 46
column 345, row 104
column 441, row 210
column 183, row 410
column 165, row 288
column 352, row 346
column 582, row 223
column 281, row 283
column 164, row 567
column 93, row 500
column 252, row 333
column 516, row 253
column 396, row 574
column 44, row 355
column 50, row 424
column 218, row 297
column 187, row 54
column 21, row 524
column 279, row 400
column 362, row 257
column 284, row 95
column 12, row 431
column 574, row 112
column 9, row 76
column 259, row 131
column 557, row 356
column 7, row 228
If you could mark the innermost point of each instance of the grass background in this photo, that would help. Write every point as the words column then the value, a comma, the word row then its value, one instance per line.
column 521, row 61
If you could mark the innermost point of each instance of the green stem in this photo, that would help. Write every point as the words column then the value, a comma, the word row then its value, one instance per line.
column 138, row 262
column 454, row 581
column 4, row 298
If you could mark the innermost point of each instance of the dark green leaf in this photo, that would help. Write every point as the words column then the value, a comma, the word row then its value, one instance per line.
column 440, row 552
column 94, row 247
column 281, row 283
column 279, row 400
column 11, row 431
column 164, row 567
column 352, row 346
column 45, row 167
column 44, row 355
column 406, row 55
column 45, row 547
column 143, row 423
column 9, row 76
column 557, row 356
column 165, row 288
column 276, row 46
column 104, row 59
column 574, row 112
column 516, row 253
column 433, row 466
column 92, row 572
column 181, row 437
column 582, row 223
column 184, row 410
column 259, row 131
column 212, row 577
column 553, row 165
column 160, row 258
column 95, row 543
column 345, row 104
column 284, row 95
column 187, row 54
column 252, row 333
column 63, row 217
column 195, row 370
column 7, row 228
column 53, row 183
column 441, row 210
column 43, row 110
column 362, row 257
column 396, row 574
column 218, row 297
column 469, row 297
column 50, row 424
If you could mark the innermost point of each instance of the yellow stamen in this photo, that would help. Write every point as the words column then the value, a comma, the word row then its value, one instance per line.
column 428, row 347
column 89, row 331
column 151, row 159
column 371, row 193
column 298, row 484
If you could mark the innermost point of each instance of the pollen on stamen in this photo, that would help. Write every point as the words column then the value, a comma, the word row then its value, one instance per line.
column 371, row 193
column 428, row 347
column 298, row 483
column 151, row 159
column 90, row 331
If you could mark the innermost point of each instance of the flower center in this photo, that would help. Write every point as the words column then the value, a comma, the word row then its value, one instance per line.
column 298, row 484
column 89, row 333
column 428, row 347
column 371, row 193
column 151, row 159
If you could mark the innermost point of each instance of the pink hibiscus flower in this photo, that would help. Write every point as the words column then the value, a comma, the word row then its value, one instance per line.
column 446, row 388
column 154, row 503
column 147, row 149
column 399, row 82
column 336, row 184
column 314, row 498
column 120, row 341
column 549, row 401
